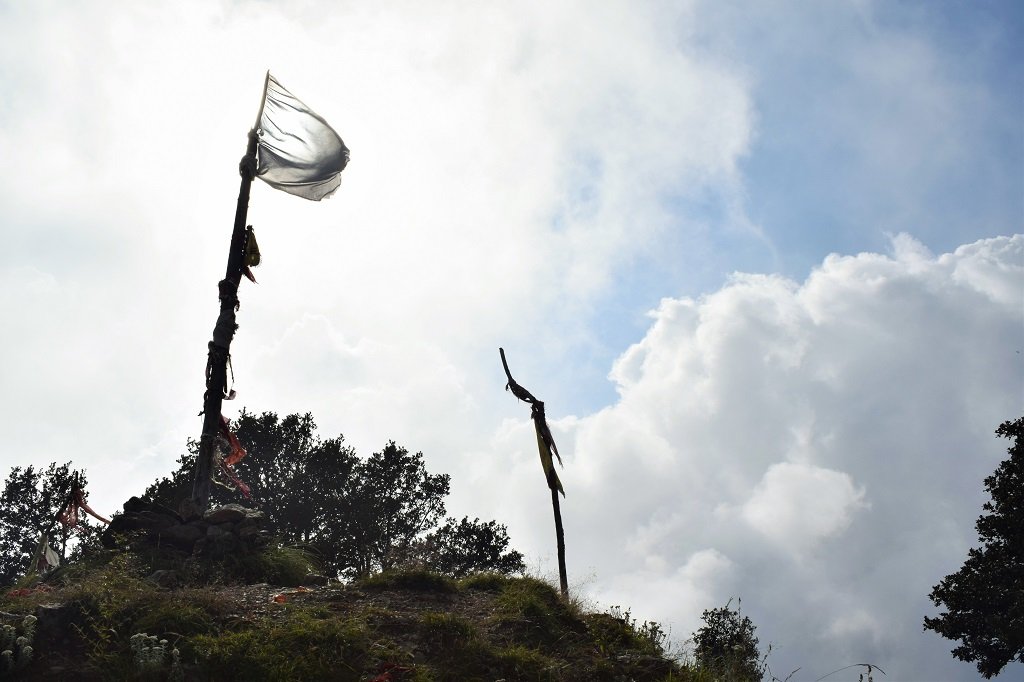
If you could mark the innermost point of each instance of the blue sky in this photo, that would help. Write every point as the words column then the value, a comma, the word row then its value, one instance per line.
column 845, row 153
column 948, row 168
column 762, row 262
column 848, row 144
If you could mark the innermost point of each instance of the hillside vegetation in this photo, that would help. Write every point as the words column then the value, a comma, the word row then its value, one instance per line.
column 311, row 564
column 111, row 620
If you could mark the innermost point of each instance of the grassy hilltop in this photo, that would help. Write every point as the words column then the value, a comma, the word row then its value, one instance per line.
column 114, row 620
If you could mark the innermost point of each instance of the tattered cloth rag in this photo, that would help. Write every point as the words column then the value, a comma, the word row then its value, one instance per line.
column 229, row 453
column 545, row 441
column 252, row 254
column 546, row 447
column 299, row 152
column 76, row 501
column 46, row 558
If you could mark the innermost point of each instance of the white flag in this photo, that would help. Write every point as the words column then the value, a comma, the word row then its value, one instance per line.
column 298, row 151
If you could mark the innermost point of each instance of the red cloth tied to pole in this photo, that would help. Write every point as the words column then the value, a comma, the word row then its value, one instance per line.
column 235, row 453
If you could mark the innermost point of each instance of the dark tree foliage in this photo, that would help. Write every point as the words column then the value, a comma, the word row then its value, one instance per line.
column 358, row 516
column 298, row 480
column 394, row 501
column 88, row 540
column 726, row 644
column 459, row 548
column 31, row 500
column 984, row 600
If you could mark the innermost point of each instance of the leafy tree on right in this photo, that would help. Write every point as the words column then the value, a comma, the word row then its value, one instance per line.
column 985, row 598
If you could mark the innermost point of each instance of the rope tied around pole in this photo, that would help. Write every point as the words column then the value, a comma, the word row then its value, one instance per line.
column 218, row 356
column 227, row 292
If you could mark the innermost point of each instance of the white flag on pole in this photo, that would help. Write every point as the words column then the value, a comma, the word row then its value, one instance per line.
column 298, row 151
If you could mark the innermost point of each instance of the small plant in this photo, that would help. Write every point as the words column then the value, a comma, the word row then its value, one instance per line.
column 648, row 636
column 16, row 650
column 151, row 655
column 148, row 652
column 870, row 668
column 176, row 674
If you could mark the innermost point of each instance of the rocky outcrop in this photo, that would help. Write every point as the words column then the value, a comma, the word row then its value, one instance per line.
column 227, row 529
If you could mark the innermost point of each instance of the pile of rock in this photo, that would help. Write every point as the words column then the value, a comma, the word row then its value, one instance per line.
column 231, row 528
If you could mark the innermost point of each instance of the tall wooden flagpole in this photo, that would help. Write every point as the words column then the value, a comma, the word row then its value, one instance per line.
column 219, row 348
column 546, row 445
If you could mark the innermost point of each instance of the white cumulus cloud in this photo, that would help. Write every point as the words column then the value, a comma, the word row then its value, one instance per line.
column 824, row 440
column 799, row 503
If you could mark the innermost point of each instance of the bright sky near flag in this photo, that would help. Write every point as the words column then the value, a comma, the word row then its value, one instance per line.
column 761, row 261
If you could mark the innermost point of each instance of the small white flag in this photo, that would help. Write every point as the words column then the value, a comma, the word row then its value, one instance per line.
column 298, row 151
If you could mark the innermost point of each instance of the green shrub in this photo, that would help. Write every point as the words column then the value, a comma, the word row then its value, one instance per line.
column 619, row 629
column 534, row 611
column 520, row 663
column 301, row 648
column 487, row 582
column 416, row 580
column 445, row 630
column 285, row 566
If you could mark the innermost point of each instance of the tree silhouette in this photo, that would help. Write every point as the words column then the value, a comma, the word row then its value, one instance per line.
column 358, row 516
column 297, row 479
column 459, row 548
column 393, row 501
column 985, row 598
column 31, row 501
column 726, row 644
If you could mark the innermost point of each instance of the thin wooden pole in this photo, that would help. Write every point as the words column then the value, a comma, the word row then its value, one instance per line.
column 219, row 348
column 537, row 414
column 563, row 581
